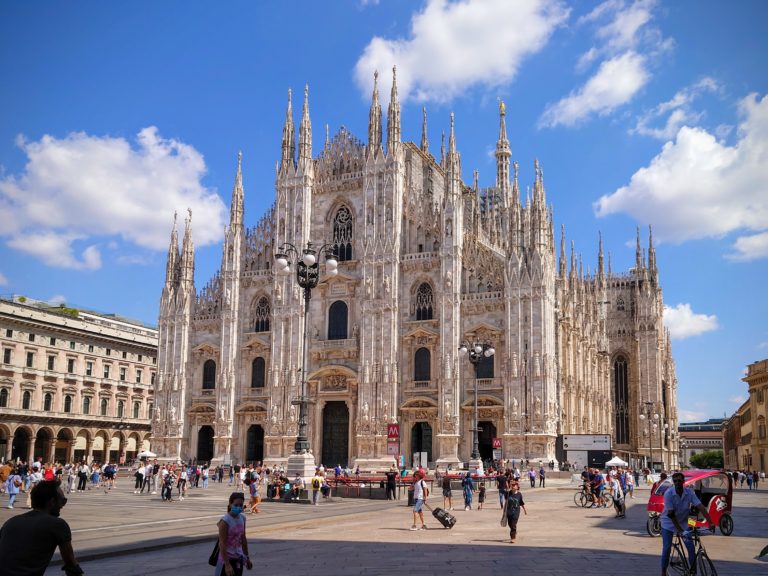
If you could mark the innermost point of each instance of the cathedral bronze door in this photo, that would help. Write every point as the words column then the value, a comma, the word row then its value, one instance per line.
column 335, row 434
column 254, row 451
column 485, row 439
column 205, row 444
column 421, row 441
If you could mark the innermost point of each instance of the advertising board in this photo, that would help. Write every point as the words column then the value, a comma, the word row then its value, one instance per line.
column 586, row 441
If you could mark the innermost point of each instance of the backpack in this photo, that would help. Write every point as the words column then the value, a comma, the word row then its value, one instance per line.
column 424, row 487
column 316, row 483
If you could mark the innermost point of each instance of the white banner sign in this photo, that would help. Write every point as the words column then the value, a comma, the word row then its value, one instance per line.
column 586, row 442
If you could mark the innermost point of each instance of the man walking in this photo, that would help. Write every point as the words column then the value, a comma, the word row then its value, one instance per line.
column 28, row 541
column 391, row 482
column 420, row 492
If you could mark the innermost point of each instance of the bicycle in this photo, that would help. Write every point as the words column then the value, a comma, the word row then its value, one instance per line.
column 678, row 559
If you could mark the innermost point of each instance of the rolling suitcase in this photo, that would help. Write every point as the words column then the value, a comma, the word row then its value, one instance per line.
column 443, row 516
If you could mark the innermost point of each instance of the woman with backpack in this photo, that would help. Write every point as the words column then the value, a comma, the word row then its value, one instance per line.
column 13, row 486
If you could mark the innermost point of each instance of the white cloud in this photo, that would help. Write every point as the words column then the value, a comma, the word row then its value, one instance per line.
column 57, row 300
column 749, row 248
column 82, row 187
column 3, row 280
column 684, row 323
column 698, row 187
column 762, row 346
column 458, row 45
column 614, row 84
column 679, row 110
column 626, row 44
column 737, row 399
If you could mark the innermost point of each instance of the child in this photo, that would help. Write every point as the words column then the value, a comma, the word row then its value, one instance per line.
column 481, row 496
column 253, row 490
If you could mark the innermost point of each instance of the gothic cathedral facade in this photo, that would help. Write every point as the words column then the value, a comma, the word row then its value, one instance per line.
column 426, row 262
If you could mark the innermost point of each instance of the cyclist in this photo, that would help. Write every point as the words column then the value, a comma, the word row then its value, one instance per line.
column 598, row 487
column 677, row 505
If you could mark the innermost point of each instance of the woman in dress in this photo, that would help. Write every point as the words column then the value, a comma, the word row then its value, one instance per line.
column 512, row 508
column 233, row 545
column 468, row 487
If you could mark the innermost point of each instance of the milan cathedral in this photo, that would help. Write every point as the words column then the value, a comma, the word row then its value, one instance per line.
column 426, row 262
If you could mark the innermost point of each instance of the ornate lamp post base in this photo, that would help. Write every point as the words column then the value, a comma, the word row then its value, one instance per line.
column 476, row 466
column 302, row 463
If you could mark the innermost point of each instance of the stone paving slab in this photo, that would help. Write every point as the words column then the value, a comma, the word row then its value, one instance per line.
column 373, row 538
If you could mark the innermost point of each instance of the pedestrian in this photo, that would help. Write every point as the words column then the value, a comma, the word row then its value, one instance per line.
column 481, row 496
column 532, row 477
column 542, row 477
column 253, row 492
column 71, row 476
column 233, row 544
column 34, row 479
column 514, row 502
column 420, row 493
column 82, row 476
column 630, row 484
column 206, row 473
column 501, row 485
column 13, row 486
column 28, row 541
column 391, row 482
column 468, row 488
column 447, row 494
column 755, row 479
column 316, row 483
column 618, row 497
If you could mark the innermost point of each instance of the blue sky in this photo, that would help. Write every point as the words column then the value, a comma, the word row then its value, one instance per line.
column 113, row 115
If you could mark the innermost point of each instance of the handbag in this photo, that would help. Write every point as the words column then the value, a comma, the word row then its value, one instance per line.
column 213, row 559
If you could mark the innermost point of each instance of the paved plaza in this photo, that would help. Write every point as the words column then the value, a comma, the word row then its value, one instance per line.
column 123, row 534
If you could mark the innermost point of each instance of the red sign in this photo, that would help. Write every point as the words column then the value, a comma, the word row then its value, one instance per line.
column 393, row 431
column 496, row 443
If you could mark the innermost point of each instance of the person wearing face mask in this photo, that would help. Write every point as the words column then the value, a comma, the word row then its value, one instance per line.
column 28, row 541
column 233, row 544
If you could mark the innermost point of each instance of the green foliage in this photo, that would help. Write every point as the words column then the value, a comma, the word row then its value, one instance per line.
column 62, row 309
column 22, row 299
column 708, row 459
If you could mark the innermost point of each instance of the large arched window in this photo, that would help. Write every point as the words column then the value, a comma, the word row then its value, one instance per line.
column 136, row 409
column 422, row 369
column 104, row 406
column 120, row 408
column 26, row 400
column 424, row 302
column 337, row 321
column 48, row 402
column 258, row 372
column 3, row 397
column 621, row 395
column 67, row 403
column 209, row 375
column 342, row 234
column 86, row 405
column 262, row 314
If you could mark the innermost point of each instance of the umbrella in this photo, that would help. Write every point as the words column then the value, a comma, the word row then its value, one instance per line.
column 615, row 461
column 146, row 454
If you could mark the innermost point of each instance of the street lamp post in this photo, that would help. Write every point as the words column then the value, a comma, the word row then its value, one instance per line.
column 476, row 351
column 647, row 413
column 307, row 276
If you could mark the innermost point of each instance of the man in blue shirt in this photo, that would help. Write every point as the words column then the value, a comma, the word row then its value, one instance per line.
column 674, row 520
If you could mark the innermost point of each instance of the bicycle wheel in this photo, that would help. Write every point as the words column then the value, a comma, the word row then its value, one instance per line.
column 726, row 524
column 704, row 566
column 577, row 497
column 678, row 562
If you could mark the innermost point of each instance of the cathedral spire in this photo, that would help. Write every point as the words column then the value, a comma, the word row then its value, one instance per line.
column 289, row 140
column 236, row 207
column 442, row 149
column 638, row 253
column 651, row 252
column 573, row 258
column 503, row 153
column 188, row 254
column 453, row 160
column 424, row 141
column 305, row 131
column 374, row 118
column 562, row 270
column 393, row 115
column 173, row 256
column 600, row 259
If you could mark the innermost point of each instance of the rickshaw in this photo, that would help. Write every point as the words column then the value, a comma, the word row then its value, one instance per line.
column 713, row 487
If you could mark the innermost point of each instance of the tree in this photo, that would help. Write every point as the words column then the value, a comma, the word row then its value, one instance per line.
column 708, row 459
